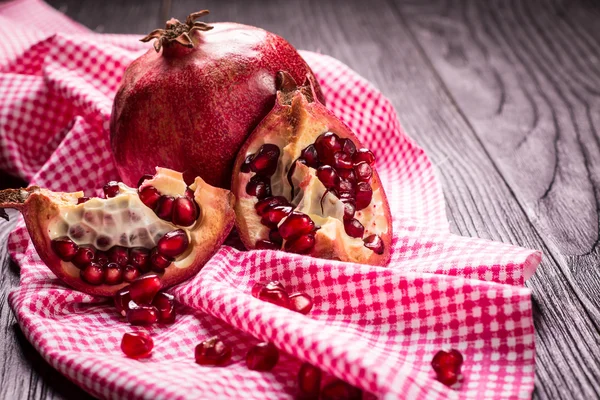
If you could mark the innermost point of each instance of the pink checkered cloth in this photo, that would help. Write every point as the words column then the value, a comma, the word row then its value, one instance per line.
column 376, row 328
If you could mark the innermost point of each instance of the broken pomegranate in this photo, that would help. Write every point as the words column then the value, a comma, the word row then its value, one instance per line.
column 446, row 365
column 101, row 245
column 304, row 183
column 137, row 344
column 262, row 357
column 220, row 76
column 212, row 352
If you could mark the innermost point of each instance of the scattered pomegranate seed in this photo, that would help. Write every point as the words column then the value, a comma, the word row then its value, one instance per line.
column 119, row 255
column 296, row 224
column 364, row 194
column 363, row 155
column 264, row 204
column 64, row 248
column 93, row 274
column 340, row 390
column 111, row 189
column 262, row 357
column 274, row 215
column 328, row 176
column 122, row 299
column 143, row 179
column 149, row 196
column 113, row 274
column 173, row 243
column 185, row 212
column 265, row 160
column 139, row 257
column 354, row 228
column 348, row 146
column 266, row 245
column 212, row 352
column 84, row 256
column 310, row 156
column 130, row 273
column 158, row 262
column 143, row 289
column 165, row 304
column 300, row 302
column 309, row 381
column 301, row 245
column 374, row 243
column 137, row 344
column 142, row 315
column 446, row 365
column 82, row 200
column 164, row 207
column 272, row 292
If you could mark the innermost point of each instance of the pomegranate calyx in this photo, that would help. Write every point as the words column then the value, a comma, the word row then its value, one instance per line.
column 178, row 32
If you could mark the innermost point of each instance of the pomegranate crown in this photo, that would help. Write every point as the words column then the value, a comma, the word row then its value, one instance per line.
column 178, row 32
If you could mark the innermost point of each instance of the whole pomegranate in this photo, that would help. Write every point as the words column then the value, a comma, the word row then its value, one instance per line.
column 99, row 245
column 304, row 183
column 190, row 104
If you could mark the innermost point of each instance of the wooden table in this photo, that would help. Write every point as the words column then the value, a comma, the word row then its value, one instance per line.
column 505, row 98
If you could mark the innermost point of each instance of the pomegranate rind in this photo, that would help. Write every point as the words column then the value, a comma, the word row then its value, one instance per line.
column 297, row 120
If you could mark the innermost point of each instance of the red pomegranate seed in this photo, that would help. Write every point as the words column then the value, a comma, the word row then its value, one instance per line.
column 122, row 299
column 274, row 293
column 446, row 365
column 101, row 258
column 143, row 289
column 263, row 205
column 349, row 210
column 301, row 302
column 137, row 344
column 328, row 176
column 258, row 286
column 344, row 186
column 149, row 196
column 82, row 200
column 173, row 243
column 262, row 357
column 64, row 248
column 340, row 390
column 113, row 274
column 159, row 262
column 363, row 171
column 190, row 194
column 246, row 164
column 139, row 257
column 348, row 146
column 301, row 245
column 212, row 352
column 142, row 315
column 354, row 228
column 363, row 155
column 310, row 156
column 266, row 245
column 164, row 207
column 165, row 304
column 363, row 195
column 274, row 215
column 275, row 237
column 185, row 211
column 447, row 377
column 309, row 381
column 130, row 273
column 265, row 160
column 327, row 145
column 119, row 255
column 347, row 174
column 259, row 187
column 296, row 224
column 84, row 256
column 111, row 189
column 342, row 161
column 143, row 179
column 374, row 243
column 93, row 274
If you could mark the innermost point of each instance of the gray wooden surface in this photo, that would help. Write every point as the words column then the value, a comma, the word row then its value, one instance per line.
column 505, row 98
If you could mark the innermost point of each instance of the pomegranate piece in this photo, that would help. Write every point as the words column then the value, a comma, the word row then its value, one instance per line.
column 364, row 195
column 267, row 245
column 272, row 292
column 173, row 243
column 121, row 300
column 111, row 189
column 310, row 156
column 64, row 248
column 150, row 196
column 119, row 255
column 165, row 304
column 185, row 211
column 130, row 273
column 300, row 302
column 139, row 257
column 93, row 274
column 265, row 204
column 164, row 207
column 274, row 215
column 328, row 176
column 259, row 187
column 137, row 344
column 265, row 160
column 340, row 390
column 262, row 357
column 363, row 155
column 354, row 228
column 374, row 243
column 212, row 352
column 142, row 315
column 309, row 381
column 301, row 245
column 446, row 365
column 84, row 256
column 159, row 262
column 113, row 274
column 295, row 225
column 143, row 289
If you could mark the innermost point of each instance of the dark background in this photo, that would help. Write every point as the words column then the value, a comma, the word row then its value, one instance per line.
column 505, row 98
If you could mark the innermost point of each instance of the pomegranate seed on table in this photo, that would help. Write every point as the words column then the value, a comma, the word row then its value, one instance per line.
column 300, row 302
column 121, row 300
column 137, row 344
column 446, row 365
column 165, row 304
column 262, row 357
column 212, row 352
column 142, row 314
column 340, row 390
column 272, row 292
column 143, row 289
column 309, row 381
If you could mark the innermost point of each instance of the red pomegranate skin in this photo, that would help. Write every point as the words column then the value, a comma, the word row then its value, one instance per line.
column 190, row 109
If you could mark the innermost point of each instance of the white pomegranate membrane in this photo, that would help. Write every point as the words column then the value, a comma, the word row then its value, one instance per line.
column 314, row 182
column 130, row 232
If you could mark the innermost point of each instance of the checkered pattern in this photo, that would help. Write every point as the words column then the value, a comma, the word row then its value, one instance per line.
column 376, row 328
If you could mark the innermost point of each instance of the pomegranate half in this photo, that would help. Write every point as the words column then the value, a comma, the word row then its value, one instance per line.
column 100, row 245
column 304, row 183
column 190, row 104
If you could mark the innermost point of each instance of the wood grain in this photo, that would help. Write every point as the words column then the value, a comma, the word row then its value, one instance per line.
column 504, row 98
